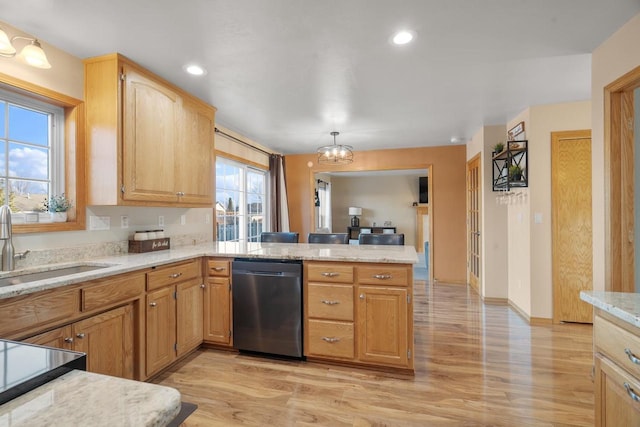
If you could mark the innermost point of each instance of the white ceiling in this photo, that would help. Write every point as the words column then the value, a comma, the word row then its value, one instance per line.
column 287, row 72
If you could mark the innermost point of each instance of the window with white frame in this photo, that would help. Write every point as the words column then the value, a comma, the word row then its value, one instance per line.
column 241, row 201
column 31, row 151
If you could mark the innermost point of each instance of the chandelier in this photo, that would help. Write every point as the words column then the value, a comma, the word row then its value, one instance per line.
column 336, row 154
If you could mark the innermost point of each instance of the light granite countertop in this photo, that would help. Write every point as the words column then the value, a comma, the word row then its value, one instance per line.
column 82, row 398
column 625, row 306
column 290, row 251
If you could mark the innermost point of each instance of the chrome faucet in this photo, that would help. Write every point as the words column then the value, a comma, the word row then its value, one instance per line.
column 8, row 251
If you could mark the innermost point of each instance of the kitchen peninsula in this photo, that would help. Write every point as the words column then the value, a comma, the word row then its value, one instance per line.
column 357, row 305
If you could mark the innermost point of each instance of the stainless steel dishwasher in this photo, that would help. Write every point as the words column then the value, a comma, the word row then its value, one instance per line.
column 267, row 306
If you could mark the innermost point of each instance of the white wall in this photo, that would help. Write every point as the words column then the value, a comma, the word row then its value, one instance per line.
column 382, row 198
column 612, row 59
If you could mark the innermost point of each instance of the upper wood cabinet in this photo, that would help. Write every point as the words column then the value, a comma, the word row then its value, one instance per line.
column 148, row 142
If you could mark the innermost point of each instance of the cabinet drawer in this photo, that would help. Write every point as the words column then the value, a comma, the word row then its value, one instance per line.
column 383, row 275
column 330, row 272
column 332, row 339
column 173, row 273
column 616, row 394
column 218, row 267
column 112, row 291
column 330, row 301
column 617, row 344
column 32, row 311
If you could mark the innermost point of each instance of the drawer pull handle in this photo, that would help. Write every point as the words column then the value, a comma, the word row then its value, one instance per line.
column 175, row 275
column 68, row 340
column 330, row 339
column 219, row 269
column 631, row 392
column 382, row 276
column 330, row 274
column 632, row 356
column 80, row 335
column 328, row 302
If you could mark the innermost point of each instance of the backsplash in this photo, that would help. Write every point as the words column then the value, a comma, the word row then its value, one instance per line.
column 97, row 250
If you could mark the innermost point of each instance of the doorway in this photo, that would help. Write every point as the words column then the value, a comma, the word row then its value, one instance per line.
column 621, row 173
column 474, row 208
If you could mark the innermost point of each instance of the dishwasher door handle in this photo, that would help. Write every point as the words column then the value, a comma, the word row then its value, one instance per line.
column 260, row 273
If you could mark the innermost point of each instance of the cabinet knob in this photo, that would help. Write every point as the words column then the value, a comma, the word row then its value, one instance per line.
column 68, row 340
column 80, row 335
column 175, row 275
column 202, row 286
column 153, row 304
column 180, row 193
column 361, row 296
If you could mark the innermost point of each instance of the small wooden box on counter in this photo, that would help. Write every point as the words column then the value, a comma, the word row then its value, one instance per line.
column 151, row 245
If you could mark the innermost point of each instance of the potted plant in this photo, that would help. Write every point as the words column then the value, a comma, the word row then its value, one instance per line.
column 498, row 147
column 58, row 206
column 515, row 173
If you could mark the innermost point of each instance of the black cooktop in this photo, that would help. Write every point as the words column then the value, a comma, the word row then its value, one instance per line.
column 24, row 367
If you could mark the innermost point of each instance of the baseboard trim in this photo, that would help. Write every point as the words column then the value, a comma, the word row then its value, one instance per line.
column 540, row 321
column 520, row 312
column 495, row 301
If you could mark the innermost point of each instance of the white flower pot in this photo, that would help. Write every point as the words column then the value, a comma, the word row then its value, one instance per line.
column 43, row 217
column 59, row 216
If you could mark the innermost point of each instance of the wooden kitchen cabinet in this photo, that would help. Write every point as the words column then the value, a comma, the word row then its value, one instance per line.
column 106, row 338
column 217, row 303
column 174, row 313
column 359, row 313
column 149, row 143
column 617, row 371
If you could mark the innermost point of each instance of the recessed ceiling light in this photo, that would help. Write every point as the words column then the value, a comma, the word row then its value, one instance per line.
column 195, row 70
column 403, row 37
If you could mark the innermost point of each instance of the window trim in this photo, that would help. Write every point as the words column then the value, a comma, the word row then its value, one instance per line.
column 74, row 153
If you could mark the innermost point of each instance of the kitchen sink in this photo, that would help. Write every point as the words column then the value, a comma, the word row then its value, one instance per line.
column 48, row 274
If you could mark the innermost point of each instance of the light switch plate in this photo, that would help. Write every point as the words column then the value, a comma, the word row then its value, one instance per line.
column 99, row 223
column 183, row 219
column 160, row 221
column 537, row 218
column 124, row 221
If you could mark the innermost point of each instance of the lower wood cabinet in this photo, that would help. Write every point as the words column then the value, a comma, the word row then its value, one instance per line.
column 217, row 302
column 174, row 316
column 106, row 338
column 382, row 323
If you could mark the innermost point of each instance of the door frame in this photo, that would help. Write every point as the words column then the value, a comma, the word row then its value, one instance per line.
column 479, row 289
column 613, row 188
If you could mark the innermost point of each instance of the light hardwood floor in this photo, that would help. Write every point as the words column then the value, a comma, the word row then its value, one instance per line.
column 476, row 365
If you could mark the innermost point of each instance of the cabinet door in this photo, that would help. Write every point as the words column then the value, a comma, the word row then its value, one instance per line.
column 189, row 312
column 107, row 339
column 149, row 138
column 382, row 322
column 161, row 329
column 194, row 156
column 217, row 311
column 616, row 394
column 58, row 338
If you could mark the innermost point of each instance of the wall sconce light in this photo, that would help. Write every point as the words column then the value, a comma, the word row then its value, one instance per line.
column 32, row 53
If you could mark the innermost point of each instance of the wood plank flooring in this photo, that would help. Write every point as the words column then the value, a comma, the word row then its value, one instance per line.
column 476, row 365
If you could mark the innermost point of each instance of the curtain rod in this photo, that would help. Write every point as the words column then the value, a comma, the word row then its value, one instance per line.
column 242, row 142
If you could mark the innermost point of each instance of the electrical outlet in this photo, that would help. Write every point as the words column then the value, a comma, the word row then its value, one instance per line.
column 160, row 221
column 124, row 221
column 207, row 219
column 183, row 219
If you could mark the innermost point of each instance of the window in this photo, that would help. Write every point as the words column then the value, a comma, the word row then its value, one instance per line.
column 241, row 201
column 31, row 151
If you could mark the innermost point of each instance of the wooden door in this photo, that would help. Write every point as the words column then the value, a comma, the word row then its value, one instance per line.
column 572, row 232
column 161, row 329
column 474, row 197
column 217, row 311
column 189, row 315
column 57, row 338
column 382, row 325
column 194, row 157
column 107, row 339
column 150, row 138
